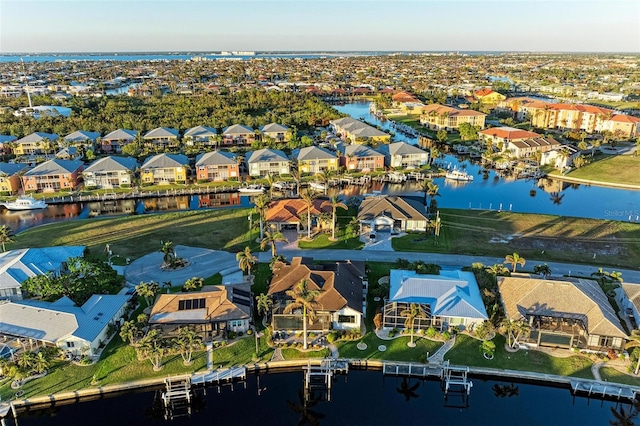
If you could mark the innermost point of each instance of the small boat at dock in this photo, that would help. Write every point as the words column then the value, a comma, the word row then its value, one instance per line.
column 460, row 175
column 25, row 203
column 251, row 189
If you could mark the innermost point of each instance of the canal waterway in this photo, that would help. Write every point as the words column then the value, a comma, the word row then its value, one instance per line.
column 359, row 398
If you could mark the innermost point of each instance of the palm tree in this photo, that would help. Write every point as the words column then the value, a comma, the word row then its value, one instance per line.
column 152, row 346
column 514, row 330
column 148, row 291
column 130, row 332
column 168, row 251
column 543, row 270
column 308, row 196
column 634, row 342
column 335, row 203
column 414, row 311
column 186, row 342
column 246, row 260
column 296, row 173
column 264, row 303
column 40, row 363
column 514, row 260
column 303, row 298
column 261, row 203
column 271, row 238
column 497, row 269
column 5, row 236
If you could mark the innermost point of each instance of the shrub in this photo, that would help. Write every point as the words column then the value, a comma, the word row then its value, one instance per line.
column 231, row 335
column 240, row 333
column 249, row 332
column 445, row 335
column 331, row 337
column 431, row 332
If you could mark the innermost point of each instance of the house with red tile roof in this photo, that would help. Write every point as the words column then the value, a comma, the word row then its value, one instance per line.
column 501, row 136
column 291, row 213
column 488, row 96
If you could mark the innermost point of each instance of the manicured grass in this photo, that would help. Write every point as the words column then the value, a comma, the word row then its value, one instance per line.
column 241, row 352
column 135, row 236
column 291, row 353
column 323, row 241
column 565, row 239
column 215, row 279
column 262, row 273
column 612, row 375
column 466, row 351
column 397, row 349
column 375, row 271
column 612, row 169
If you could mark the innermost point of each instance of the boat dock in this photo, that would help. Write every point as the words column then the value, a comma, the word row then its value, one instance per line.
column 226, row 376
column 318, row 378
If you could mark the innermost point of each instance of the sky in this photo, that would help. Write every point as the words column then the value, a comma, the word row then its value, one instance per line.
column 28, row 26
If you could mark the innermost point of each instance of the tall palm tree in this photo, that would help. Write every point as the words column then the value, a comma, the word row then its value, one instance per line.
column 152, row 346
column 40, row 363
column 6, row 234
column 261, row 203
column 514, row 260
column 246, row 260
column 187, row 341
column 271, row 238
column 335, row 203
column 296, row 173
column 414, row 311
column 168, row 252
column 308, row 196
column 148, row 291
column 634, row 342
column 305, row 299
column 264, row 303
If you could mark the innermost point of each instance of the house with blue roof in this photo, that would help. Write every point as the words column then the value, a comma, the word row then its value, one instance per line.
column 78, row 330
column 449, row 299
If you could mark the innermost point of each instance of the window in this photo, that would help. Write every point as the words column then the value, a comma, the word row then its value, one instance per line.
column 605, row 341
column 347, row 318
column 184, row 305
column 71, row 344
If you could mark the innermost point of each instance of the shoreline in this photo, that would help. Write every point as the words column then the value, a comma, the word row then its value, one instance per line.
column 594, row 182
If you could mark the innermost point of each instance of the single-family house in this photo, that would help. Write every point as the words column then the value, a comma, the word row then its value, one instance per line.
column 238, row 135
column 82, row 137
column 290, row 213
column 163, row 169
column 392, row 213
column 70, row 153
column 77, row 330
column 361, row 158
column 267, row 161
column 277, row 132
column 35, row 143
column 200, row 135
column 161, row 138
column 10, row 182
column 560, row 157
column 403, row 155
column 563, row 312
column 18, row 265
column 447, row 300
column 217, row 166
column 340, row 304
column 114, row 141
column 214, row 311
column 110, row 172
column 313, row 159
column 501, row 136
column 54, row 175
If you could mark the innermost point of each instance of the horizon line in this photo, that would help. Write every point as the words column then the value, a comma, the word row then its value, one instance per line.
column 262, row 52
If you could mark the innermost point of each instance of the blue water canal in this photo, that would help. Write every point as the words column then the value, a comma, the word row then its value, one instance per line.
column 359, row 398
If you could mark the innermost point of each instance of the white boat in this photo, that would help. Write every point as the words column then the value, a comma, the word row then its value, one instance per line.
column 25, row 203
column 251, row 189
column 458, row 175
column 317, row 186
column 281, row 186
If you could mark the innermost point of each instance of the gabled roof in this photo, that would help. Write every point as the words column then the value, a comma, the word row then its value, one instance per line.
column 161, row 161
column 112, row 164
column 508, row 133
column 567, row 297
column 536, row 143
column 161, row 132
column 82, row 136
column 10, row 169
column 221, row 303
column 7, row 138
column 312, row 153
column 37, row 137
column 451, row 294
column 632, row 291
column 121, row 134
column 274, row 128
column 291, row 210
column 18, row 265
column 216, row 158
column 368, row 132
column 400, row 148
column 200, row 132
column 266, row 155
column 361, row 151
column 55, row 167
column 623, row 118
column 340, row 283
column 237, row 129
column 396, row 207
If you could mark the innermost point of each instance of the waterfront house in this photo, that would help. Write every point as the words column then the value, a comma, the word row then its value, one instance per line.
column 277, row 132
column 437, row 117
column 77, row 330
column 628, row 299
column 290, row 213
column 114, row 141
column 560, row 157
column 161, row 138
column 266, row 161
column 342, row 287
column 313, row 159
column 217, row 166
column 53, row 175
column 200, row 135
column 110, row 172
column 403, row 155
column 18, row 265
column 10, row 177
column 238, row 135
column 392, row 213
column 361, row 158
column 501, row 136
column 82, row 137
column 563, row 312
column 35, row 143
column 214, row 311
column 164, row 169
column 447, row 300
column 357, row 131
column 522, row 148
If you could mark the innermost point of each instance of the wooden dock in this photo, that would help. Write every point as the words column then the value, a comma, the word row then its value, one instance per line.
column 409, row 369
column 221, row 376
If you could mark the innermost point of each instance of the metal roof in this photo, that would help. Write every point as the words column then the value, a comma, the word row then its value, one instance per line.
column 82, row 136
column 112, row 163
column 200, row 132
column 161, row 132
column 215, row 158
column 313, row 153
column 165, row 160
column 237, row 129
column 55, row 167
column 37, row 137
column 9, row 169
column 400, row 148
column 121, row 134
column 266, row 155
column 274, row 128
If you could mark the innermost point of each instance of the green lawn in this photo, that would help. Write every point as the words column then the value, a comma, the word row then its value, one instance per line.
column 466, row 351
column 612, row 375
column 323, row 241
column 565, row 239
column 292, row 353
column 241, row 352
column 396, row 349
column 612, row 169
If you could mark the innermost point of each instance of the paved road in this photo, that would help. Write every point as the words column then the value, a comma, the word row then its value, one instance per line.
column 447, row 260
